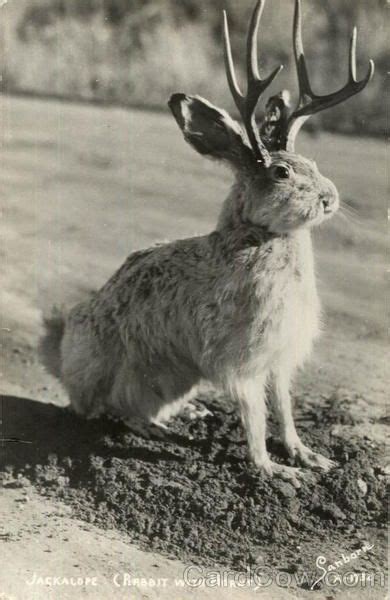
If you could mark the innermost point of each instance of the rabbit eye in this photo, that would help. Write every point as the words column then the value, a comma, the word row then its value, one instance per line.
column 280, row 172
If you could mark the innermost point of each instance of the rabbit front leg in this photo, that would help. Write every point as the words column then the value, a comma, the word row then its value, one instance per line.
column 250, row 395
column 280, row 393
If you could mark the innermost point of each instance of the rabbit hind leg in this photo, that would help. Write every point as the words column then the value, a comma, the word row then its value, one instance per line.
column 142, row 394
column 184, row 405
column 87, row 389
column 87, row 362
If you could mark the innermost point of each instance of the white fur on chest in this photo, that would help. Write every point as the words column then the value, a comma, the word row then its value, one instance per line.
column 291, row 317
column 300, row 322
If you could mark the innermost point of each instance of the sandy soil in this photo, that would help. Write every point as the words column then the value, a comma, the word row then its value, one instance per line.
column 81, row 187
column 41, row 541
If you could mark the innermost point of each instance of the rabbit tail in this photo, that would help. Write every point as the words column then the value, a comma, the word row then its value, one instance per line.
column 50, row 343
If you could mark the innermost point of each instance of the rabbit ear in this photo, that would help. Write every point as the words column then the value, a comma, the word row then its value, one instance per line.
column 209, row 130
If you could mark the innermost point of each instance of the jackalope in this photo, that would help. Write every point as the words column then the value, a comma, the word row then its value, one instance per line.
column 237, row 307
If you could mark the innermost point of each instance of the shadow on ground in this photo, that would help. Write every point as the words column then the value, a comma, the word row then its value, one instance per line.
column 32, row 433
column 191, row 493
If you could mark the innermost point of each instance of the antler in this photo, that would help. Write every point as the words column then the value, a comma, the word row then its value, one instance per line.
column 256, row 86
column 310, row 103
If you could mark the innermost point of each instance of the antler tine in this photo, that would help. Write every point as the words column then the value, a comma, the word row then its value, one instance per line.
column 255, row 87
column 310, row 103
column 299, row 54
column 352, row 56
column 229, row 65
column 252, row 66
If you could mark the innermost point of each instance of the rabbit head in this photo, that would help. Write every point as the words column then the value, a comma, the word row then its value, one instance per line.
column 289, row 194
column 276, row 188
column 286, row 193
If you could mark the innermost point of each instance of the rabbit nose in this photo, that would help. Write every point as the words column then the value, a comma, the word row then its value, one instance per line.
column 329, row 199
column 328, row 196
column 327, row 204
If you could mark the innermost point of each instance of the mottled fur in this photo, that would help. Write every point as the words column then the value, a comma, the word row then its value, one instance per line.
column 237, row 307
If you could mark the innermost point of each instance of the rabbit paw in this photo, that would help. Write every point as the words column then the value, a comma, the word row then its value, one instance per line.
column 293, row 475
column 194, row 411
column 147, row 429
column 308, row 458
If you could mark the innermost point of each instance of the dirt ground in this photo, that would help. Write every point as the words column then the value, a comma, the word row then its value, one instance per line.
column 91, row 499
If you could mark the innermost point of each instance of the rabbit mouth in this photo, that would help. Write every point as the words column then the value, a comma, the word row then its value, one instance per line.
column 329, row 205
column 329, row 200
column 324, row 210
column 326, row 213
column 329, row 210
column 320, row 214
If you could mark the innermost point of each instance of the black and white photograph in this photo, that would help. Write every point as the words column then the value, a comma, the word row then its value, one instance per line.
column 193, row 303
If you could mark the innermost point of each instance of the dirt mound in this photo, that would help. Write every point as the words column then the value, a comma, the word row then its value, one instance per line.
column 192, row 494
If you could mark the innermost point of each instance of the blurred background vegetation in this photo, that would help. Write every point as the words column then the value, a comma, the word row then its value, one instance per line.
column 137, row 52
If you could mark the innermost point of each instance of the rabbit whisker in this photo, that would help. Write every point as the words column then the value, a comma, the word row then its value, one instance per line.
column 350, row 216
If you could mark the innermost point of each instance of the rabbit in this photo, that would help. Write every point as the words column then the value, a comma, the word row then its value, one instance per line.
column 237, row 307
